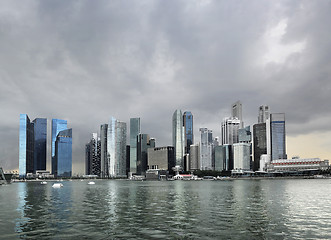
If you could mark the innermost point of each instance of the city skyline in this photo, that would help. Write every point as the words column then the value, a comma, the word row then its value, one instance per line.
column 148, row 59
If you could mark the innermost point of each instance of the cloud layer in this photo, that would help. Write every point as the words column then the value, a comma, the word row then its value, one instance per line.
column 85, row 61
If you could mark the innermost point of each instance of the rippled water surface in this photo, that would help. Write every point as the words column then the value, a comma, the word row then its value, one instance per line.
column 119, row 209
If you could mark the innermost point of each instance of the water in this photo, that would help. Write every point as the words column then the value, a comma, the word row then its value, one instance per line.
column 119, row 209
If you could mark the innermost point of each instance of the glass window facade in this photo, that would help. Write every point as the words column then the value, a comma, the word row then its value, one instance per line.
column 63, row 154
column 134, row 132
column 188, row 129
column 26, row 145
column 278, row 144
column 40, row 141
column 57, row 126
column 178, row 137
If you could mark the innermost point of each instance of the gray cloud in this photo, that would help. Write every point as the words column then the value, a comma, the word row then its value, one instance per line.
column 85, row 61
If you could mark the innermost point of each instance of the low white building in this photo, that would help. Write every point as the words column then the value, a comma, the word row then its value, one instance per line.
column 297, row 164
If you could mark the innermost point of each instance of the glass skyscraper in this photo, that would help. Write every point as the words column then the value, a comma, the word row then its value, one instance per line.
column 206, row 149
column 116, row 148
column 229, row 130
column 26, row 146
column 259, row 143
column 103, row 150
column 134, row 132
column 278, row 144
column 63, row 154
column 237, row 112
column 178, row 137
column 40, row 140
column 58, row 125
column 188, row 130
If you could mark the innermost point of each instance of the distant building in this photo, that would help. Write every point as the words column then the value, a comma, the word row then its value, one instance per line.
column 63, row 154
column 32, row 145
column 144, row 143
column 229, row 130
column 259, row 143
column 93, row 156
column 194, row 157
column 263, row 114
column 178, row 137
column 278, row 136
column 134, row 132
column 161, row 158
column 103, row 151
column 206, row 149
column 237, row 112
column 241, row 156
column 188, row 130
column 297, row 165
column 116, row 148
column 219, row 158
column 58, row 125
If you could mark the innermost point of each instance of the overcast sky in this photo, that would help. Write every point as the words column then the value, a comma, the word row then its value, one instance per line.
column 85, row 61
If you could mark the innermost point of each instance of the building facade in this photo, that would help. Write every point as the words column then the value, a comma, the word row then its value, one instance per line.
column 103, row 151
column 241, row 156
column 229, row 130
column 188, row 131
column 144, row 143
column 93, row 156
column 134, row 132
column 206, row 149
column 263, row 114
column 26, row 146
column 40, row 144
column 278, row 136
column 237, row 112
column 259, row 143
column 161, row 158
column 178, row 137
column 63, row 154
column 58, row 125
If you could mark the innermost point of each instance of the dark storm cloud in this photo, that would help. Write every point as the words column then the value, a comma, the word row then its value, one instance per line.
column 85, row 61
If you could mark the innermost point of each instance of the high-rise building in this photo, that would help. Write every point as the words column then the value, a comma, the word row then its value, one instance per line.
column 178, row 137
column 241, row 156
column 219, row 158
column 93, row 158
column 278, row 136
column 194, row 157
column 244, row 135
column 263, row 114
column 26, row 146
column 40, row 144
column 229, row 130
column 188, row 130
column 206, row 149
column 116, row 148
column 259, row 143
column 228, row 157
column 103, row 150
column 237, row 112
column 161, row 158
column 144, row 142
column 58, row 125
column 63, row 154
column 134, row 132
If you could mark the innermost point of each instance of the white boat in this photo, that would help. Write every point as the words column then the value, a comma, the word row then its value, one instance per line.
column 57, row 185
column 91, row 183
column 43, row 182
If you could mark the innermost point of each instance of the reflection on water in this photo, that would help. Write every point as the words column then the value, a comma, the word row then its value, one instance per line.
column 241, row 209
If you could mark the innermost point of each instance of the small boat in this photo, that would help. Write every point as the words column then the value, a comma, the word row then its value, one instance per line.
column 43, row 182
column 91, row 183
column 57, row 185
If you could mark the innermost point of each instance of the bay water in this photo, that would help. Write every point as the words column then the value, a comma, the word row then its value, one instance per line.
column 121, row 209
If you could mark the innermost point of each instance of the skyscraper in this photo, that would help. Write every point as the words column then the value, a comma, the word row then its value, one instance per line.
column 93, row 157
column 259, row 143
column 178, row 137
column 229, row 130
column 241, row 156
column 263, row 114
column 116, row 148
column 278, row 137
column 26, row 146
column 58, row 125
column 134, row 132
column 194, row 157
column 206, row 149
column 188, row 130
column 103, row 150
column 143, row 144
column 40, row 139
column 237, row 112
column 63, row 154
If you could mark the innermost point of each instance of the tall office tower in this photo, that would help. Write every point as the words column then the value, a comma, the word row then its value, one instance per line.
column 245, row 135
column 144, row 142
column 26, row 146
column 116, row 148
column 206, row 149
column 237, row 112
column 134, row 132
column 194, row 157
column 259, row 143
column 161, row 158
column 278, row 136
column 228, row 157
column 178, row 137
column 241, row 156
column 103, row 150
column 40, row 139
column 215, row 144
column 263, row 114
column 87, row 158
column 93, row 160
column 188, row 130
column 63, row 154
column 219, row 158
column 229, row 130
column 57, row 126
